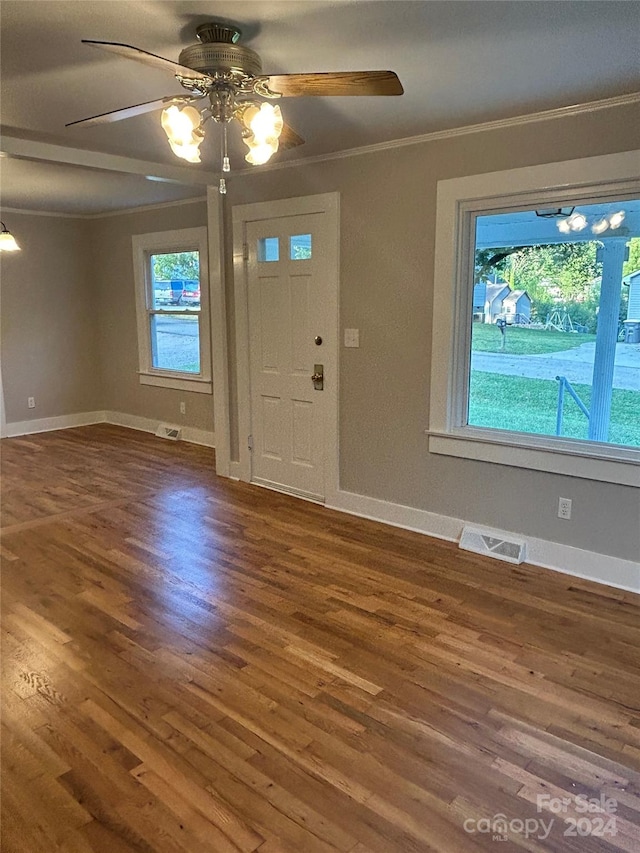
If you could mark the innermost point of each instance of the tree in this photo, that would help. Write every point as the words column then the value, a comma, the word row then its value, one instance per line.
column 176, row 265
column 633, row 263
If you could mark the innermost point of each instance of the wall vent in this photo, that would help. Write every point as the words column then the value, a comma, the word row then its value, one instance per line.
column 173, row 433
column 492, row 543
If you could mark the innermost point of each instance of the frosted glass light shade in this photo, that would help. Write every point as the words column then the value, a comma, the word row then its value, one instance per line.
column 181, row 127
column 8, row 242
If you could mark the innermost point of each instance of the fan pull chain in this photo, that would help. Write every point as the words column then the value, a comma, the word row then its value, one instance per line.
column 226, row 165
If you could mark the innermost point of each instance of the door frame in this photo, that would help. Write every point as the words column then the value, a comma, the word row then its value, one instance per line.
column 325, row 203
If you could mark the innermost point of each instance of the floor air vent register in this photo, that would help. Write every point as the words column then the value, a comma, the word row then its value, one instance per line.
column 493, row 544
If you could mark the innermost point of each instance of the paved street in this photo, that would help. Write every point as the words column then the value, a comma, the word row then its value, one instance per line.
column 576, row 364
column 177, row 343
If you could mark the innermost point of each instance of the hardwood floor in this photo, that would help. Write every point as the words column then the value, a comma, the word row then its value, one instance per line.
column 192, row 664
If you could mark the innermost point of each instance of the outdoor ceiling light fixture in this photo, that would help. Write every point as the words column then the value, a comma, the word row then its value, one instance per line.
column 554, row 212
column 578, row 222
column 7, row 240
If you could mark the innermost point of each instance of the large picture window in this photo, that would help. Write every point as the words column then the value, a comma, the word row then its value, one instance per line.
column 536, row 335
column 172, row 300
column 555, row 335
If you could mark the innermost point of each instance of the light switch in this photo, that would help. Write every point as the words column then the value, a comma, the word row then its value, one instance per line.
column 352, row 337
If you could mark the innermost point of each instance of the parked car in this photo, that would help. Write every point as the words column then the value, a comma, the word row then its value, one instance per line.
column 190, row 293
column 177, row 292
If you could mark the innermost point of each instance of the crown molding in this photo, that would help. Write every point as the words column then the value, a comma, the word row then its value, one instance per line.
column 463, row 130
column 15, row 146
column 27, row 212
column 120, row 212
column 157, row 206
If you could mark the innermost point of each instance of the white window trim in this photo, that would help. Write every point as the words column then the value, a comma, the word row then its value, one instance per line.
column 144, row 245
column 458, row 200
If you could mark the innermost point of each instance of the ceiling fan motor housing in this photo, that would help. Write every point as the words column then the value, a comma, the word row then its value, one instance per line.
column 218, row 53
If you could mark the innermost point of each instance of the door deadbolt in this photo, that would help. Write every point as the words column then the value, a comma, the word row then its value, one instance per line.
column 318, row 377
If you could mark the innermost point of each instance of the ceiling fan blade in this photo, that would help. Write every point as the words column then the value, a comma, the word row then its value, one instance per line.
column 331, row 83
column 131, row 52
column 289, row 139
column 135, row 110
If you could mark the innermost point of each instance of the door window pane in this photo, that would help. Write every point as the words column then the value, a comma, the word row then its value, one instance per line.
column 175, row 342
column 268, row 249
column 300, row 247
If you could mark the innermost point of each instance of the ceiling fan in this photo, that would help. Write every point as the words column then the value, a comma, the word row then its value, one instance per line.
column 228, row 77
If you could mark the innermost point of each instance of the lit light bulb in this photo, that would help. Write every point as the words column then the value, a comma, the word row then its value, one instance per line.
column 261, row 152
column 264, row 125
column 266, row 122
column 8, row 242
column 577, row 221
column 563, row 226
column 616, row 219
column 189, row 151
column 182, row 129
column 600, row 226
column 179, row 124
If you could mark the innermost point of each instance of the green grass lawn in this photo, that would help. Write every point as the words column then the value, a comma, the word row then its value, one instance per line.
column 523, row 341
column 529, row 405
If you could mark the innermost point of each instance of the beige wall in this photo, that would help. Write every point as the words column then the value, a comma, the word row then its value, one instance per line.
column 76, row 349
column 49, row 320
column 110, row 239
column 69, row 335
column 388, row 209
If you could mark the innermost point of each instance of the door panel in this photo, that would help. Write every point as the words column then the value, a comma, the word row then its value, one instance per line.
column 287, row 310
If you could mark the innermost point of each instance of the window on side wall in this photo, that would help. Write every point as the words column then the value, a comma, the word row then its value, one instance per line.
column 536, row 337
column 171, row 279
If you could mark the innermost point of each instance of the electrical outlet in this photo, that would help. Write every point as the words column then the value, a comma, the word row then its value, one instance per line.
column 31, row 402
column 564, row 508
column 183, row 408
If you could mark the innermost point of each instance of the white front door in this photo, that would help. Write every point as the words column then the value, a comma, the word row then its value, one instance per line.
column 291, row 274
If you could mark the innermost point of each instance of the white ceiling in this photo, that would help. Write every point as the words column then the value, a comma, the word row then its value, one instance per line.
column 460, row 63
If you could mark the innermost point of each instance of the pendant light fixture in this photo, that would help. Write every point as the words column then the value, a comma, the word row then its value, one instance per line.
column 7, row 240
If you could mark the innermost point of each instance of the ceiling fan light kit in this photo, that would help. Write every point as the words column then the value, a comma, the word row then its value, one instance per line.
column 229, row 76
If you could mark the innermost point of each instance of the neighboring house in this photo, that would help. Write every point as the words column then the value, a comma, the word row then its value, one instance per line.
column 496, row 294
column 517, row 307
column 479, row 299
column 633, row 281
column 496, row 299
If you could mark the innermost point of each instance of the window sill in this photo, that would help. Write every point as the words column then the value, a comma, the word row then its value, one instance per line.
column 179, row 383
column 539, row 453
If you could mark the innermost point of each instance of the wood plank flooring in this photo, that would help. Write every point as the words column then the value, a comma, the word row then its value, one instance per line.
column 193, row 665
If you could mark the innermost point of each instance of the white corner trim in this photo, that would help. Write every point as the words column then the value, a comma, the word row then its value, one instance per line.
column 193, row 435
column 49, row 424
column 219, row 341
column 588, row 565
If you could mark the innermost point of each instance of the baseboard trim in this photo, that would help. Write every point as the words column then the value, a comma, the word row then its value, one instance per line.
column 193, row 435
column 586, row 565
column 18, row 428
